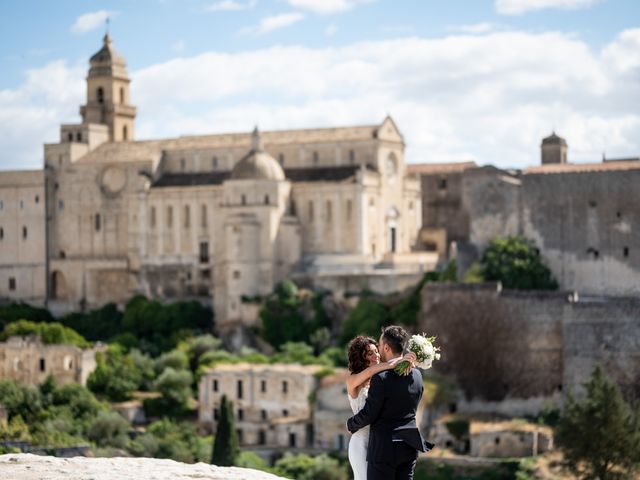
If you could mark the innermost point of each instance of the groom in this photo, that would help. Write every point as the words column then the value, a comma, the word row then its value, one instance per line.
column 394, row 440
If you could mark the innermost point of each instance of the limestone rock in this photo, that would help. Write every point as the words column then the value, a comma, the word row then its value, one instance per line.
column 34, row 467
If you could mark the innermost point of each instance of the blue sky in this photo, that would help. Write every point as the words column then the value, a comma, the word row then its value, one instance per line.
column 479, row 80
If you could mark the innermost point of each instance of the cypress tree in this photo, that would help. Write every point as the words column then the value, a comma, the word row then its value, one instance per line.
column 225, row 446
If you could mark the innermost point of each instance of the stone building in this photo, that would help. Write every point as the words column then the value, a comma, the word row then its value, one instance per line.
column 584, row 218
column 272, row 402
column 516, row 353
column 509, row 439
column 224, row 216
column 331, row 410
column 29, row 361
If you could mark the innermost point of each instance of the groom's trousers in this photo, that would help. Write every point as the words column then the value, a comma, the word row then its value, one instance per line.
column 400, row 467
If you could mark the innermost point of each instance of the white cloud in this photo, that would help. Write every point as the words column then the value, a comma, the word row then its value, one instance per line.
column 454, row 98
column 326, row 6
column 274, row 22
column 91, row 21
column 178, row 46
column 231, row 5
column 331, row 30
column 518, row 7
column 475, row 28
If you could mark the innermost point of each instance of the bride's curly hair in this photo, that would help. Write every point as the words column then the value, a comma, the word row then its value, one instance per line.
column 357, row 352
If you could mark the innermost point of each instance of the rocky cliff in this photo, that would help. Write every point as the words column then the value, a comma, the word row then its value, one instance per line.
column 33, row 467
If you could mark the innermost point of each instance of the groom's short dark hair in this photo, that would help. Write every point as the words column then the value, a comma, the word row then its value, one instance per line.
column 396, row 337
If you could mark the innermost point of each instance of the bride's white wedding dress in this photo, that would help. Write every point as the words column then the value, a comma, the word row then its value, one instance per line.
column 359, row 440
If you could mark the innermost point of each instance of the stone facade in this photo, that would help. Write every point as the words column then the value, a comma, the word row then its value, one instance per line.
column 331, row 411
column 29, row 361
column 518, row 352
column 174, row 218
column 272, row 403
column 509, row 439
column 583, row 217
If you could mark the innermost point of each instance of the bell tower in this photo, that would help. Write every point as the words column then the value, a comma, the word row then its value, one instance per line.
column 108, row 94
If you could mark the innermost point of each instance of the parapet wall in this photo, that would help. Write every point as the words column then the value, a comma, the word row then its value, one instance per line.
column 505, row 345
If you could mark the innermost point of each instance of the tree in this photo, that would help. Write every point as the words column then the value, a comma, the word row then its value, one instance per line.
column 366, row 319
column 600, row 436
column 282, row 320
column 516, row 262
column 175, row 387
column 49, row 333
column 225, row 446
column 109, row 429
column 116, row 375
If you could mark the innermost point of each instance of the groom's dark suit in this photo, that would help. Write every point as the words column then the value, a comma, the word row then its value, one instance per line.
column 394, row 440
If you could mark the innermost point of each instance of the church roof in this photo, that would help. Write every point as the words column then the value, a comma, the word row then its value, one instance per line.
column 584, row 167
column 107, row 62
column 257, row 164
column 554, row 139
column 439, row 168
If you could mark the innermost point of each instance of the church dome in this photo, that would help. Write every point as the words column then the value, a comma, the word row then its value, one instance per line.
column 554, row 139
column 107, row 62
column 257, row 164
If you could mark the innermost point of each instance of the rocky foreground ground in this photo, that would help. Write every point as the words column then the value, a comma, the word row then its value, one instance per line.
column 33, row 467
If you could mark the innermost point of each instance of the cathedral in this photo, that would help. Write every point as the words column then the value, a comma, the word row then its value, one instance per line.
column 221, row 217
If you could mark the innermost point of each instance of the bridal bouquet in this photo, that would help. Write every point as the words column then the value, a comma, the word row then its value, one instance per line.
column 426, row 352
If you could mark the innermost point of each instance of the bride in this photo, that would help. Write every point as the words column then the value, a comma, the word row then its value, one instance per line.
column 364, row 362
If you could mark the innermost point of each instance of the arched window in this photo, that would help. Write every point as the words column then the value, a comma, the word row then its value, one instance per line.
column 122, row 95
column 125, row 133
column 100, row 95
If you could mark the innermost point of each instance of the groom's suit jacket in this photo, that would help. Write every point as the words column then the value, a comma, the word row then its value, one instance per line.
column 390, row 409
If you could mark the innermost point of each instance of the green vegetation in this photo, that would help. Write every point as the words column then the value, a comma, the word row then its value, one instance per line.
column 116, row 375
column 516, row 263
column 304, row 467
column 600, row 436
column 49, row 333
column 225, row 446
column 292, row 315
column 458, row 427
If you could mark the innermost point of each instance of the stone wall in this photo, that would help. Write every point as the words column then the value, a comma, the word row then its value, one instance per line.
column 524, row 348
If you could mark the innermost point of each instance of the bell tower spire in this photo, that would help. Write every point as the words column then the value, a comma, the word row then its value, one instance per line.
column 108, row 93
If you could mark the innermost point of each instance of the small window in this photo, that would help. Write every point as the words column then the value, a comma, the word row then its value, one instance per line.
column 316, row 157
column 263, row 386
column 593, row 253
column 60, row 205
column 125, row 133
column 68, row 363
column 281, row 158
column 593, row 203
column 62, row 254
column 263, row 414
column 442, row 184
column 292, row 207
column 152, row 217
column 12, row 283
column 285, row 413
column 203, row 216
column 216, row 414
column 236, row 274
column 100, row 95
column 349, row 209
column 352, row 156
column 240, row 414
column 70, row 137
column 97, row 222
column 497, row 441
column 79, row 136
column 183, row 164
column 21, row 204
column 618, row 214
column 1, row 204
column 285, row 386
column 187, row 217
column 204, row 252
column 262, row 437
column 292, row 439
column 214, row 162
column 169, row 217
column 43, row 365
column 215, row 385
column 329, row 211
column 24, row 233
column 37, row 199
column 625, row 252
column 240, row 390
column 122, row 96
column 243, row 199
column 266, row 199
column 311, row 211
column 1, row 233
